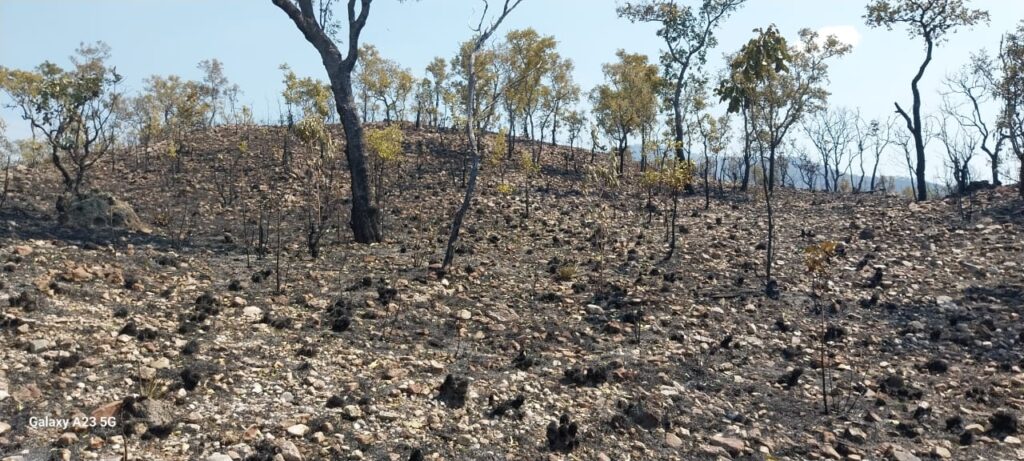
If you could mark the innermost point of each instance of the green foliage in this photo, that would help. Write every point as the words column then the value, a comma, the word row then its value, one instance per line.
column 527, row 165
column 310, row 96
column 384, row 80
column 499, row 148
column 1010, row 89
column 629, row 99
column 817, row 258
column 566, row 272
column 777, row 84
column 678, row 175
column 689, row 34
column 385, row 143
column 505, row 188
column 932, row 20
column 75, row 110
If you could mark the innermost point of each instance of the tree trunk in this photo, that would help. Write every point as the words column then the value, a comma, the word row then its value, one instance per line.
column 364, row 220
column 677, row 120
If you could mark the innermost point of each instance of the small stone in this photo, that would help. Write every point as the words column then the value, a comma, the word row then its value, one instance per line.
column 899, row 454
column 975, row 429
column 289, row 451
column 941, row 452
column 714, row 452
column 298, row 430
column 160, row 363
column 464, row 314
column 353, row 412
column 67, row 439
column 22, row 250
column 147, row 373
column 252, row 311
column 218, row 457
column 855, row 435
column 38, row 345
column 731, row 444
column 4, row 427
column 1011, row 440
column 672, row 440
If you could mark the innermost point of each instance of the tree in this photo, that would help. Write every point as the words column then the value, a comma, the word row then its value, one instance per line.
column 574, row 121
column 386, row 146
column 777, row 85
column 1011, row 92
column 807, row 168
column 438, row 72
column 688, row 35
column 477, row 43
column 564, row 92
column 932, row 21
column 218, row 92
column 876, row 136
column 74, row 110
column 384, row 81
column 311, row 98
column 715, row 133
column 6, row 157
column 623, row 103
column 959, row 146
column 831, row 131
column 423, row 102
column 317, row 26
column 973, row 85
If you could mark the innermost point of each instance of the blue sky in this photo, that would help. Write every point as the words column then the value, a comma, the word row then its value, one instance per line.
column 252, row 38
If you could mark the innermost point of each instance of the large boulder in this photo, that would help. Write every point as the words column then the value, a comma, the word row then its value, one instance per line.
column 99, row 210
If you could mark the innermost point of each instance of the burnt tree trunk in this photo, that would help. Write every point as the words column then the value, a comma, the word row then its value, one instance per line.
column 364, row 223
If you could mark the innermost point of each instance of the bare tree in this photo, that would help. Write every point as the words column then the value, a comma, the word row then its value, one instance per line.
column 972, row 84
column 478, row 42
column 933, row 21
column 831, row 132
column 807, row 167
column 879, row 136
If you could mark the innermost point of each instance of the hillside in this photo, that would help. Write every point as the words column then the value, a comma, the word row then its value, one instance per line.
column 573, row 312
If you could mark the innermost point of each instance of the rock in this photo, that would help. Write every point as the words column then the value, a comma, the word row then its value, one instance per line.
column 731, row 444
column 899, row 454
column 867, row 233
column 252, row 311
column 218, row 457
column 4, row 428
column 941, row 453
column 289, row 451
column 464, row 314
column 855, row 435
column 154, row 415
column 39, row 345
column 673, row 441
column 22, row 250
column 298, row 430
column 353, row 412
column 160, row 363
column 713, row 452
column 66, row 439
column 99, row 209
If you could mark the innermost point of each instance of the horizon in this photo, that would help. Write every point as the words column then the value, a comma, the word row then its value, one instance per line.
column 881, row 60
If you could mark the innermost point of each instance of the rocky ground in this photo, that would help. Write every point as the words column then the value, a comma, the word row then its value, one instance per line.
column 562, row 335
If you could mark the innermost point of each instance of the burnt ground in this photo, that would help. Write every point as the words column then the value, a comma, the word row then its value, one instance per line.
column 562, row 335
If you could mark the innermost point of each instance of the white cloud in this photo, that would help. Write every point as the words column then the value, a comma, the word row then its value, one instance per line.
column 846, row 34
